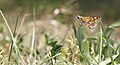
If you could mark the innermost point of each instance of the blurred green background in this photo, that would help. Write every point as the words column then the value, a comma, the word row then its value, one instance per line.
column 107, row 9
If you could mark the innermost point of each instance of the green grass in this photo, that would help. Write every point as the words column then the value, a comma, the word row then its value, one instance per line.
column 98, row 49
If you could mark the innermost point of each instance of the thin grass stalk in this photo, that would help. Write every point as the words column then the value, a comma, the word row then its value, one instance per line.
column 33, row 41
column 110, row 51
column 21, row 24
column 14, row 39
column 33, row 38
column 7, row 25
column 8, row 29
column 11, row 47
column 51, row 57
column 34, row 18
column 101, row 40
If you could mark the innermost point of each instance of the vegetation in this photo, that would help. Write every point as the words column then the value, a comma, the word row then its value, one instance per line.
column 46, row 32
column 98, row 49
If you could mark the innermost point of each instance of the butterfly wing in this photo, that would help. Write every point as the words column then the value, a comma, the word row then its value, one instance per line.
column 93, row 22
column 90, row 22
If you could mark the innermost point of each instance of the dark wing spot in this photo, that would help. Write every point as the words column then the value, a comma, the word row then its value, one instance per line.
column 95, row 18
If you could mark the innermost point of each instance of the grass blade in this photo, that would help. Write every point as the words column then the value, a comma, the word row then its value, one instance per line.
column 80, row 37
column 11, row 47
column 108, row 60
column 101, row 40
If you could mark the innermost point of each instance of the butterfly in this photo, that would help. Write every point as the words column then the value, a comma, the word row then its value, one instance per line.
column 90, row 21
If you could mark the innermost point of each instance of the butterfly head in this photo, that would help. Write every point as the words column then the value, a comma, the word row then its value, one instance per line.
column 78, row 17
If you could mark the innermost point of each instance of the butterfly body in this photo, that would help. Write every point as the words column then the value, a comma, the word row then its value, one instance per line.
column 91, row 21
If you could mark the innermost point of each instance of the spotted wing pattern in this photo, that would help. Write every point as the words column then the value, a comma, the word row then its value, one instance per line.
column 90, row 21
